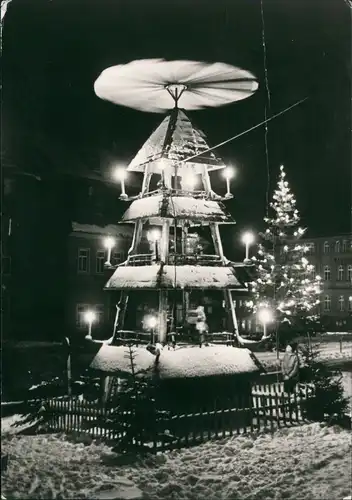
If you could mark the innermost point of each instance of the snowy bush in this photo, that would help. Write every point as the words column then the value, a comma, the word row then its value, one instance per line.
column 329, row 402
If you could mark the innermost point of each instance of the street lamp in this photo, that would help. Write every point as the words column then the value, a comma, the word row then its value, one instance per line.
column 248, row 239
column 150, row 323
column 120, row 175
column 154, row 236
column 229, row 173
column 109, row 243
column 265, row 316
column 89, row 318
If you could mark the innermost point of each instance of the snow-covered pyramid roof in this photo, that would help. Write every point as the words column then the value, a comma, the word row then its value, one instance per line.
column 175, row 139
column 180, row 207
column 184, row 362
column 120, row 230
column 157, row 276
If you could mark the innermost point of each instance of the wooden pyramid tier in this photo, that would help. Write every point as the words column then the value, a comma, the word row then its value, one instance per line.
column 158, row 208
column 187, row 277
column 175, row 140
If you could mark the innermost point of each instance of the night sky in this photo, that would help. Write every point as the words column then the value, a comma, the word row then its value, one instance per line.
column 53, row 122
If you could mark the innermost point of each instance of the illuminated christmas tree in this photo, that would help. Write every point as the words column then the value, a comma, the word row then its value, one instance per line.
column 286, row 281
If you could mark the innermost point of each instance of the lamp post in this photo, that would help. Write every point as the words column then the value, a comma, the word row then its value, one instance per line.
column 120, row 175
column 265, row 317
column 89, row 318
column 248, row 239
column 151, row 322
column 229, row 174
column 109, row 243
column 153, row 237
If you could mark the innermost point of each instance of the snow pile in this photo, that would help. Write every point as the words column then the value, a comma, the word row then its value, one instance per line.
column 185, row 362
column 299, row 463
column 176, row 206
column 188, row 276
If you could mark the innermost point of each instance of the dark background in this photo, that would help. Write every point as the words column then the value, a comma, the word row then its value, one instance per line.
column 53, row 125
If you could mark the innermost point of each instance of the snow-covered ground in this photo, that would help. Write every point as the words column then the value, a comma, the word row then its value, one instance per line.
column 305, row 462
column 327, row 351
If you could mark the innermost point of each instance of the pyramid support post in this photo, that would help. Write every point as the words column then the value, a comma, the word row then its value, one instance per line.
column 120, row 312
column 167, row 179
column 162, row 330
column 185, row 295
column 164, row 241
column 137, row 235
column 233, row 326
column 206, row 180
column 215, row 233
column 146, row 181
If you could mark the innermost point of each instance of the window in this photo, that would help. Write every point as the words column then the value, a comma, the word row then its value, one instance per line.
column 326, row 247
column 100, row 261
column 327, row 303
column 350, row 304
column 327, row 273
column 83, row 260
column 117, row 258
column 99, row 310
column 311, row 248
column 344, row 246
column 337, row 247
column 349, row 273
column 341, row 303
column 314, row 272
column 81, row 309
column 6, row 266
column 340, row 273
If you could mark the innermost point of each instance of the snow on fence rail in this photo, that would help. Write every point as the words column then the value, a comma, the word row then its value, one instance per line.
column 267, row 411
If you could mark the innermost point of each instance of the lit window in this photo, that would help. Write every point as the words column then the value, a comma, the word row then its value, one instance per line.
column 117, row 258
column 327, row 303
column 81, row 309
column 350, row 303
column 326, row 247
column 337, row 247
column 249, row 325
column 344, row 246
column 327, row 273
column 341, row 303
column 99, row 262
column 340, row 273
column 349, row 273
column 83, row 260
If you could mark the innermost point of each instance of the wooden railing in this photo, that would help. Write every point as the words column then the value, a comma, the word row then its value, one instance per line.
column 193, row 259
column 268, row 408
column 175, row 259
column 145, row 259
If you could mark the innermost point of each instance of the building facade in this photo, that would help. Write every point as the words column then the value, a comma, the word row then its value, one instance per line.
column 88, row 275
column 332, row 258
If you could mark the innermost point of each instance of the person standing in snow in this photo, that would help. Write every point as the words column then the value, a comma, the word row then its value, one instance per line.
column 290, row 368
